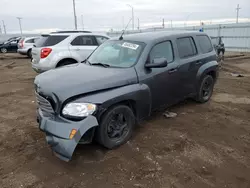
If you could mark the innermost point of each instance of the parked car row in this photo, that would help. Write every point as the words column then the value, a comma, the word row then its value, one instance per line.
column 22, row 45
column 119, row 82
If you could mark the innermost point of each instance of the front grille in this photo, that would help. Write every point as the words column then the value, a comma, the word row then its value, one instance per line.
column 45, row 106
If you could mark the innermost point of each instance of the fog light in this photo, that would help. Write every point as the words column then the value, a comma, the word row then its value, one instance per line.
column 72, row 133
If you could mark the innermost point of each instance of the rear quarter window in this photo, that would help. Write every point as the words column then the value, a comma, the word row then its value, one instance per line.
column 50, row 40
column 204, row 43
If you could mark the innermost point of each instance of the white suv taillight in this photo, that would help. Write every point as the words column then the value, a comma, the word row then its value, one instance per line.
column 45, row 52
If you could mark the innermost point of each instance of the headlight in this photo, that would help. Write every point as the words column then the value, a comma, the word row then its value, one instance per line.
column 78, row 109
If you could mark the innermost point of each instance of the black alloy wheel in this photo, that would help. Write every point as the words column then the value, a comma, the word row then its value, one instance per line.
column 116, row 126
column 206, row 89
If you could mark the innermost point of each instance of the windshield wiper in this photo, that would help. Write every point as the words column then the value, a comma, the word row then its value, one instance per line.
column 101, row 64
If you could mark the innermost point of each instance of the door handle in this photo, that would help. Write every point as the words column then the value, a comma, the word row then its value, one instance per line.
column 77, row 49
column 172, row 70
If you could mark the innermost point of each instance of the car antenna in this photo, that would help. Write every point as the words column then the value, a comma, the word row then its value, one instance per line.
column 120, row 38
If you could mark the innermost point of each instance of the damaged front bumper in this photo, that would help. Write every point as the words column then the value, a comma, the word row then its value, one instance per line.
column 58, row 133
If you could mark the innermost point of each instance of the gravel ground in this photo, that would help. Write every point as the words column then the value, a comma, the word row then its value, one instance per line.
column 206, row 145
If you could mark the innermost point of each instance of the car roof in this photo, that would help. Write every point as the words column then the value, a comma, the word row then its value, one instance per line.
column 27, row 38
column 78, row 34
column 152, row 36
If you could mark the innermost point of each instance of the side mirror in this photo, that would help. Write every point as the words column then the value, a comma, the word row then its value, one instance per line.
column 157, row 63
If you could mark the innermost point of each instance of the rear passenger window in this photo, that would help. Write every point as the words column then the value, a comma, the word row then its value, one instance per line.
column 162, row 50
column 204, row 43
column 186, row 47
column 84, row 41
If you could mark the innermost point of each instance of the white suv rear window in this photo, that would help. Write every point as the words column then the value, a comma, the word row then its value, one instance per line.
column 50, row 40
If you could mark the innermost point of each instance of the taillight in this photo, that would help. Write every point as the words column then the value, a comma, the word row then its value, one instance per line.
column 45, row 52
column 21, row 43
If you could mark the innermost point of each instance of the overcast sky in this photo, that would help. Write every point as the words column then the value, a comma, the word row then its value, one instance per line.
column 106, row 14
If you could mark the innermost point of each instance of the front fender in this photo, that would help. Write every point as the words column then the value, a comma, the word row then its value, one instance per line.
column 138, row 93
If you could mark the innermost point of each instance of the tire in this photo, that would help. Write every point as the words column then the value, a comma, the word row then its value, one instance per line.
column 29, row 53
column 205, row 90
column 108, row 129
column 64, row 63
column 4, row 50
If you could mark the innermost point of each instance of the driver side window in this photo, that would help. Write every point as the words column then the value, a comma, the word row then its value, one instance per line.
column 162, row 50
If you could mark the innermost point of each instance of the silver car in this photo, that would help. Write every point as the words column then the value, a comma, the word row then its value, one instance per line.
column 25, row 45
column 59, row 49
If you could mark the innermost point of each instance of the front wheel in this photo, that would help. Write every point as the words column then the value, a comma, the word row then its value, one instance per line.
column 206, row 89
column 116, row 126
column 4, row 50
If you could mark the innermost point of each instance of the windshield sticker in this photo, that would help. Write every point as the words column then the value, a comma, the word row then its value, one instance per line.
column 130, row 45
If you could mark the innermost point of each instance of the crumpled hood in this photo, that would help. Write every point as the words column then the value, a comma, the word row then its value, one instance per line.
column 80, row 78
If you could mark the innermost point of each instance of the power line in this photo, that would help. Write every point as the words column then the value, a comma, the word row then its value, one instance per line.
column 237, row 10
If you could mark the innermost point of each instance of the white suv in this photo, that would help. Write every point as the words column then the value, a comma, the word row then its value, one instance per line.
column 59, row 49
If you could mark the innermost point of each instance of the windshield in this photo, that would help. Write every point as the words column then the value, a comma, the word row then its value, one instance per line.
column 116, row 53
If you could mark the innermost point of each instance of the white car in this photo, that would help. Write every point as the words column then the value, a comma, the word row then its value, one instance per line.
column 59, row 49
column 25, row 45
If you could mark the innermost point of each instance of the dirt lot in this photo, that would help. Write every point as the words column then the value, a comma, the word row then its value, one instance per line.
column 206, row 145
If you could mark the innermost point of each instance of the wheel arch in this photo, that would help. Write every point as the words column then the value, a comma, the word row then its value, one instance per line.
column 66, row 59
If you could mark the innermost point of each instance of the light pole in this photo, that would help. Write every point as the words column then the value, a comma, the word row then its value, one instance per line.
column 133, row 23
column 82, row 22
column 20, row 25
column 237, row 10
column 74, row 9
column 4, row 27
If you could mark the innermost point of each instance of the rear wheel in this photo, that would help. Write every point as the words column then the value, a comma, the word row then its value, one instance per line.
column 3, row 50
column 29, row 53
column 116, row 126
column 206, row 89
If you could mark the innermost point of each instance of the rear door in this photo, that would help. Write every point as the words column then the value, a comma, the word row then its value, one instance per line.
column 189, row 64
column 83, row 45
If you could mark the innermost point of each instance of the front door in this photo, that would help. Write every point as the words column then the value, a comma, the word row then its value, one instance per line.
column 163, row 82
column 83, row 45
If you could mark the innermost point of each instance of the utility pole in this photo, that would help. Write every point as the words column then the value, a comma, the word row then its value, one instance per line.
column 82, row 22
column 138, row 24
column 171, row 23
column 163, row 23
column 237, row 10
column 4, row 27
column 20, row 25
column 0, row 29
column 74, row 9
column 133, row 21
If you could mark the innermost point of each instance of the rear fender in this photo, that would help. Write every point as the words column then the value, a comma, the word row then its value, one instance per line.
column 205, row 69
